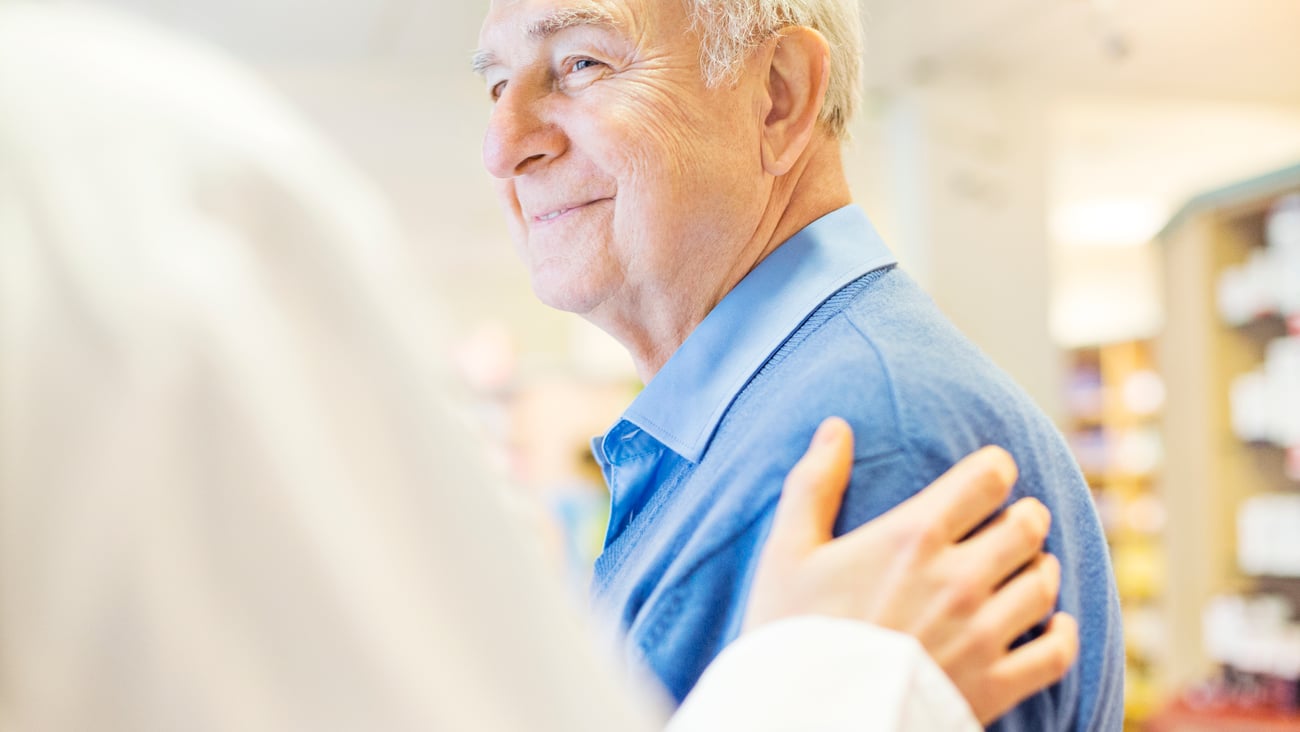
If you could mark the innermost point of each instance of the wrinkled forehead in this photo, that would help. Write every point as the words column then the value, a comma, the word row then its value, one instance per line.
column 515, row 21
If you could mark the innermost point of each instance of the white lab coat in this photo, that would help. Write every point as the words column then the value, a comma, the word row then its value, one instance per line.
column 234, row 492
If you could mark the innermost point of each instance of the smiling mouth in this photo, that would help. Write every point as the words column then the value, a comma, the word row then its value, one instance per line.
column 559, row 213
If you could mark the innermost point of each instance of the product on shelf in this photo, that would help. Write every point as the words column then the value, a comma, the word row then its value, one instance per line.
column 1138, row 451
column 1284, row 221
column 1269, row 282
column 1265, row 403
column 1128, row 451
column 1144, row 393
column 1145, row 515
column 1084, row 394
column 1268, row 535
column 1139, row 569
column 1090, row 450
column 1283, row 370
column 1251, row 415
column 1284, row 241
column 1258, row 647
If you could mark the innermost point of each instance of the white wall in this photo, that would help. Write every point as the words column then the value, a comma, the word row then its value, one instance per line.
column 966, row 182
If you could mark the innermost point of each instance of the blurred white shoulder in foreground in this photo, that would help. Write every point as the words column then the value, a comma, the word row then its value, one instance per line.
column 233, row 491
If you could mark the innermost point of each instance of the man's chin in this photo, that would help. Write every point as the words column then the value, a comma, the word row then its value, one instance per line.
column 569, row 299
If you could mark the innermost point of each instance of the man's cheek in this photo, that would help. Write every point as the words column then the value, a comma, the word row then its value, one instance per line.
column 643, row 170
column 507, row 199
column 644, row 136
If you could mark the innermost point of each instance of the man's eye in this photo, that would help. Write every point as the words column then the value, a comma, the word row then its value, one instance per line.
column 583, row 64
column 496, row 90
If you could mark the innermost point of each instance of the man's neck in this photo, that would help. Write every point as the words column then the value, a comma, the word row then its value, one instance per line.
column 814, row 188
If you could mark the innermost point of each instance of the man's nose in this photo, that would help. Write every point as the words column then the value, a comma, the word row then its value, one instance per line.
column 518, row 139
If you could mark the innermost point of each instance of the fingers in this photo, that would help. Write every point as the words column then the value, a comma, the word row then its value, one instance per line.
column 1023, row 602
column 1007, row 543
column 1034, row 666
column 814, row 490
column 964, row 496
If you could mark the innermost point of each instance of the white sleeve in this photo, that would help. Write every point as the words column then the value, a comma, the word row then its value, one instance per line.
column 822, row 674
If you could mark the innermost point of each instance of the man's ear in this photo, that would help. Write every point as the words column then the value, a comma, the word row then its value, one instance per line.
column 798, row 74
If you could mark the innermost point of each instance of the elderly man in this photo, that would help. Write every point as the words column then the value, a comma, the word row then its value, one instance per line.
column 671, row 171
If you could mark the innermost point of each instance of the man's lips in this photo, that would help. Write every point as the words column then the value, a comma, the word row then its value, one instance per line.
column 560, row 212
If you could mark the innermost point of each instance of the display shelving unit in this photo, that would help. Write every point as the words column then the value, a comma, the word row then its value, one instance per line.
column 1210, row 471
column 1114, row 401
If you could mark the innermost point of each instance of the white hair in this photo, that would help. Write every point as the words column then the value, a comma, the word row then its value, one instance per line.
column 732, row 28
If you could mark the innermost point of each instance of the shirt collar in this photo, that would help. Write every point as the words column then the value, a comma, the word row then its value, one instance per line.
column 683, row 404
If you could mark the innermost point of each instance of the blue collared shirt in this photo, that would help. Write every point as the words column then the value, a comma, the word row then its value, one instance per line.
column 826, row 325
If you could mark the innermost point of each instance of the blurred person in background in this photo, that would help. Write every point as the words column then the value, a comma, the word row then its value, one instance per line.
column 672, row 172
column 234, row 494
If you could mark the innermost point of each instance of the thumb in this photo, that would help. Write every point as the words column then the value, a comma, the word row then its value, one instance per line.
column 814, row 490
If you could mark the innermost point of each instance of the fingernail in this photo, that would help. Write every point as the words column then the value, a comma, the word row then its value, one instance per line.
column 1045, row 517
column 1004, row 463
column 827, row 433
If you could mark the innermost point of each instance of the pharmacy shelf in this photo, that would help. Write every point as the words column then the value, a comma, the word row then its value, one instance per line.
column 1114, row 398
column 1210, row 472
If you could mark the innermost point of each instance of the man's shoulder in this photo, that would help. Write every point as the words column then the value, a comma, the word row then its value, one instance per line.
column 890, row 363
column 918, row 394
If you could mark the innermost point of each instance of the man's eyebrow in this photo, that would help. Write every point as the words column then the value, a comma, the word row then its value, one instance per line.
column 550, row 24
column 482, row 61
column 563, row 19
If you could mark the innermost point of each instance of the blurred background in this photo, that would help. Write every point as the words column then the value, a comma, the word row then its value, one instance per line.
column 1096, row 191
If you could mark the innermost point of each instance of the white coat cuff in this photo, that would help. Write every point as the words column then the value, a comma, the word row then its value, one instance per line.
column 823, row 674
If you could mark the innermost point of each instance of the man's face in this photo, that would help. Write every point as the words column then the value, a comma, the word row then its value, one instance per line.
column 623, row 176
